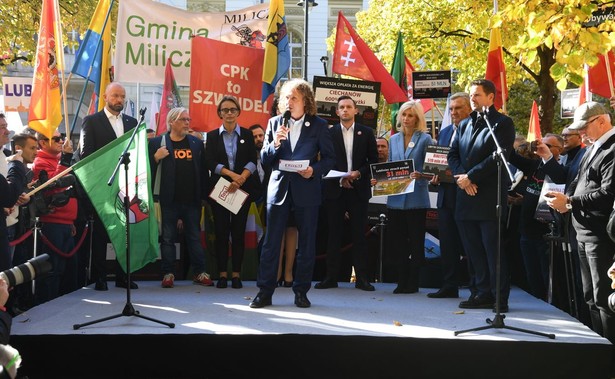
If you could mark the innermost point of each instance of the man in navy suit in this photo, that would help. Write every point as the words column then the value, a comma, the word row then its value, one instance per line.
column 355, row 149
column 475, row 169
column 98, row 130
column 451, row 248
column 297, row 135
column 590, row 199
column 183, row 188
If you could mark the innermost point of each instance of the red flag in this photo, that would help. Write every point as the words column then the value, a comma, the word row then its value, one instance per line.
column 601, row 77
column 533, row 132
column 426, row 103
column 496, row 70
column 353, row 57
column 170, row 98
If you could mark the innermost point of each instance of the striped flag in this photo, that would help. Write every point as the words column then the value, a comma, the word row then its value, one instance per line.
column 496, row 70
column 277, row 49
column 95, row 52
column 45, row 112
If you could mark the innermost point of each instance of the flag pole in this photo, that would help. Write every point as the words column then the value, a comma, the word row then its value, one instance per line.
column 85, row 85
column 609, row 74
column 60, row 55
column 502, row 84
column 50, row 181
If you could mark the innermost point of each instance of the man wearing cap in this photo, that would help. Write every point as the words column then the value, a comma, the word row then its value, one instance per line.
column 590, row 199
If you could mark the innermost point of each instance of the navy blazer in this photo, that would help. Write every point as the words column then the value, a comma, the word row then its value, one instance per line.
column 564, row 173
column 472, row 154
column 215, row 154
column 364, row 153
column 168, row 179
column 315, row 145
column 96, row 131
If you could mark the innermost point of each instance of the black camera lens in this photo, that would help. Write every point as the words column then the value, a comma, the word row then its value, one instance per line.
column 27, row 271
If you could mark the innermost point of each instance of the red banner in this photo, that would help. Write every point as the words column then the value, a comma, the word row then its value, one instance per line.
column 218, row 69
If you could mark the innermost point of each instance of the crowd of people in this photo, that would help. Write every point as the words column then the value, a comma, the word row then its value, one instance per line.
column 473, row 210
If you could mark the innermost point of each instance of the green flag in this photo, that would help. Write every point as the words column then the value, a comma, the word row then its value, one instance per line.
column 398, row 72
column 94, row 171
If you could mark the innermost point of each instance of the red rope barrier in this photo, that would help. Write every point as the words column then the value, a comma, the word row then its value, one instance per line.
column 60, row 252
column 21, row 239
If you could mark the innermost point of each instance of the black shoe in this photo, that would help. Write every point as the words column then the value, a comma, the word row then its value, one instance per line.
column 261, row 300
column 236, row 283
column 442, row 293
column 364, row 285
column 101, row 285
column 287, row 284
column 325, row 284
column 222, row 282
column 477, row 302
column 400, row 289
column 123, row 283
column 503, row 308
column 301, row 300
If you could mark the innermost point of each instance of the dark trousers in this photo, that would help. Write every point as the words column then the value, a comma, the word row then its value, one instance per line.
column 480, row 241
column 336, row 210
column 535, row 253
column 595, row 260
column 227, row 224
column 451, row 248
column 62, row 278
column 407, row 243
column 277, row 217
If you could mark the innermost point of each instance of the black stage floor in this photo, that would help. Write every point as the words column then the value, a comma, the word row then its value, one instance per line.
column 347, row 333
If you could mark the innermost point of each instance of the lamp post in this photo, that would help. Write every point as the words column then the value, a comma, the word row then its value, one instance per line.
column 307, row 5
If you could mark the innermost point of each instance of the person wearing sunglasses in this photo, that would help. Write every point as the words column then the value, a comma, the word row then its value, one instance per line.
column 58, row 226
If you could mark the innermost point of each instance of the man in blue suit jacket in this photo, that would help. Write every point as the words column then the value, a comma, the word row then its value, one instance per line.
column 475, row 168
column 355, row 149
column 301, row 136
column 97, row 131
column 451, row 248
column 183, row 187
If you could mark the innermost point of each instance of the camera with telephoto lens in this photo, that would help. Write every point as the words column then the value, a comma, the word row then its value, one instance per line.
column 43, row 202
column 28, row 271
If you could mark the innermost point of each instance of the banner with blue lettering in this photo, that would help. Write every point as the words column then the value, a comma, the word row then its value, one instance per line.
column 17, row 92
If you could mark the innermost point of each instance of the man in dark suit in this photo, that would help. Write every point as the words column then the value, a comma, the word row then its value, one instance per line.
column 451, row 248
column 355, row 149
column 183, row 186
column 475, row 169
column 98, row 130
column 301, row 137
column 263, row 171
column 590, row 199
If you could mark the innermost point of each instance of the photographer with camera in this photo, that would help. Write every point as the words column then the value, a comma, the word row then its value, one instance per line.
column 57, row 211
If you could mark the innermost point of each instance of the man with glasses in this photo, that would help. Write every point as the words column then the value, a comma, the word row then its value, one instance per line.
column 590, row 199
column 183, row 188
column 53, row 157
column 572, row 145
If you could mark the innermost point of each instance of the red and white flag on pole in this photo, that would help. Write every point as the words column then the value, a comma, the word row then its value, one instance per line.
column 352, row 57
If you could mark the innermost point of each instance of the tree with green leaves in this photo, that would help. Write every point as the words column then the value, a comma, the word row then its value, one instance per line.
column 546, row 42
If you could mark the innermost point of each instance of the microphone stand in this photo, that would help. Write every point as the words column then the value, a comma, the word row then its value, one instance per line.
column 498, row 320
column 124, row 159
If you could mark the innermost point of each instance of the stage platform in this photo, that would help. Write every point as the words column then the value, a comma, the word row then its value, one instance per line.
column 347, row 333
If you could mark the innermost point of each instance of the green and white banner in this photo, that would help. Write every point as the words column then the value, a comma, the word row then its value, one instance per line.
column 149, row 32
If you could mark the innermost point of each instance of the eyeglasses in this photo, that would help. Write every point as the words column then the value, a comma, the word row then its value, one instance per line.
column 550, row 146
column 566, row 135
column 54, row 138
column 229, row 110
column 589, row 123
column 184, row 119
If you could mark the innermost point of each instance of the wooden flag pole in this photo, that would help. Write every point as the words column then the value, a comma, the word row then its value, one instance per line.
column 502, row 84
column 47, row 183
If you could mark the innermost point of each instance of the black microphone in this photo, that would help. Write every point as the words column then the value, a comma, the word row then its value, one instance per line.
column 142, row 111
column 286, row 118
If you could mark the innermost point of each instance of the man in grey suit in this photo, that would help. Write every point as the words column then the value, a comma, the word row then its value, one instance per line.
column 590, row 199
column 98, row 130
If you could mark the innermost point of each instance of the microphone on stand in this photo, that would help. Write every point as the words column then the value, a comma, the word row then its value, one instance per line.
column 142, row 111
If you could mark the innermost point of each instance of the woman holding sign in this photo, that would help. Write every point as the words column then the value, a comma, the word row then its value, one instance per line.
column 229, row 153
column 407, row 212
